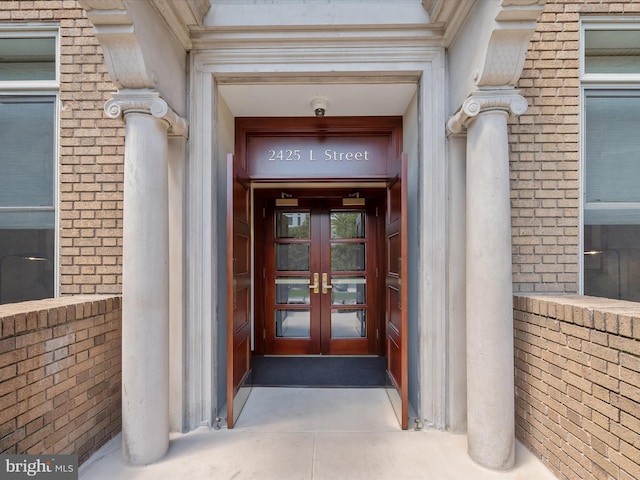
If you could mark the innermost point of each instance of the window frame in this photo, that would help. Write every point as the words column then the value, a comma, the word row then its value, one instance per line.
column 41, row 88
column 600, row 83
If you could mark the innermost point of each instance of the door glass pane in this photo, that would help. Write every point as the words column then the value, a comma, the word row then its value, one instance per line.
column 348, row 323
column 348, row 291
column 293, row 257
column 293, row 323
column 292, row 290
column 347, row 257
column 292, row 224
column 347, row 225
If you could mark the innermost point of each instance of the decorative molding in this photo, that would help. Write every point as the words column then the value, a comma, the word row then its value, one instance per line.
column 483, row 101
column 123, row 54
column 509, row 42
column 181, row 15
column 146, row 102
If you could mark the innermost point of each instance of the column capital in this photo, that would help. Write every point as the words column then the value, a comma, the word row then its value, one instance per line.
column 146, row 102
column 509, row 101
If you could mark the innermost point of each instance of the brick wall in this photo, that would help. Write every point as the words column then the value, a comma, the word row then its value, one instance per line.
column 545, row 150
column 91, row 151
column 578, row 384
column 60, row 375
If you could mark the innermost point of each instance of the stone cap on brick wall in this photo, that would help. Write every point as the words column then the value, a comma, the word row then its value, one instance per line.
column 22, row 317
column 619, row 317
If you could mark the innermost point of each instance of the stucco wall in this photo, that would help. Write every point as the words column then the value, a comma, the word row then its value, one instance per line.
column 577, row 363
column 60, row 375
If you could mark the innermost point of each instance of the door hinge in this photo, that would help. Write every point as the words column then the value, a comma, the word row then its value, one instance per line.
column 264, row 212
column 264, row 334
column 377, row 334
column 377, row 272
column 264, row 273
column 376, row 212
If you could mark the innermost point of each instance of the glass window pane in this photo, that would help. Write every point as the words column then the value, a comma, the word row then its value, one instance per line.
column 27, row 58
column 292, row 290
column 347, row 257
column 292, row 257
column 347, row 224
column 612, row 261
column 27, row 152
column 612, row 144
column 26, row 264
column 348, row 290
column 612, row 51
column 292, row 225
column 293, row 323
column 348, row 323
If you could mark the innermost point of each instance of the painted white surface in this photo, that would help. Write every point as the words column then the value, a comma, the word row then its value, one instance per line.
column 259, row 13
column 294, row 100
column 145, row 291
column 490, row 371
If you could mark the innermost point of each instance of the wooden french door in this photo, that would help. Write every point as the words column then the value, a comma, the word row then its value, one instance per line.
column 238, row 299
column 320, row 277
column 396, row 295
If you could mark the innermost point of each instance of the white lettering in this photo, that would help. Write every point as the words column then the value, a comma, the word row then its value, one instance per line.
column 311, row 156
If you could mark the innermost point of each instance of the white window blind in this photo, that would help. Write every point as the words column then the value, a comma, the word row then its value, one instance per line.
column 612, row 157
column 27, row 162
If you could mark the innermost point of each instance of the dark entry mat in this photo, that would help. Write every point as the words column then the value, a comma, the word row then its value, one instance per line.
column 321, row 371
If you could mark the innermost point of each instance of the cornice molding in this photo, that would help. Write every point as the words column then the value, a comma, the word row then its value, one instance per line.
column 449, row 15
column 149, row 103
column 182, row 15
column 509, row 101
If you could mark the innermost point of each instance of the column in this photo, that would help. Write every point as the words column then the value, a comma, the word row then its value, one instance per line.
column 490, row 366
column 145, row 273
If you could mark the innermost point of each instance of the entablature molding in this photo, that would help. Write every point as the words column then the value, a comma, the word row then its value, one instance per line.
column 508, row 101
column 146, row 102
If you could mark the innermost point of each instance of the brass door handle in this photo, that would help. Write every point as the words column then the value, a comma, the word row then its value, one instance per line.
column 316, row 283
column 325, row 285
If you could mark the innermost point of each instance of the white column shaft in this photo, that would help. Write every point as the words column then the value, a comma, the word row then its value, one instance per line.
column 145, row 285
column 490, row 373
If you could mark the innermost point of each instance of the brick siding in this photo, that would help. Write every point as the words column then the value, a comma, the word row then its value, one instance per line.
column 60, row 375
column 577, row 365
column 545, row 155
column 91, row 162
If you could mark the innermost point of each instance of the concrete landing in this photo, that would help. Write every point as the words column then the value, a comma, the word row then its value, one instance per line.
column 315, row 434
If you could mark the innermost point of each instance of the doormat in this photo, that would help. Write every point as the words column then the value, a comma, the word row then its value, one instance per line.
column 319, row 371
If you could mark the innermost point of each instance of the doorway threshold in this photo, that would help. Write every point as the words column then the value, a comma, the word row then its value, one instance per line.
column 290, row 409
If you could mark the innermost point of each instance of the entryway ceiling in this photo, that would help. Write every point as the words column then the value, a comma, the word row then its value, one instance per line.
column 294, row 100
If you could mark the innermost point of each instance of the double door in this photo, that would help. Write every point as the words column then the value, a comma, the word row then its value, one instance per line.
column 320, row 277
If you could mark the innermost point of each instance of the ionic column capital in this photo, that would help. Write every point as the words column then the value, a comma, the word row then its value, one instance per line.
column 509, row 101
column 146, row 102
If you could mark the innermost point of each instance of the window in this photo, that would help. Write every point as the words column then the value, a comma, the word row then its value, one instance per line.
column 611, row 160
column 28, row 178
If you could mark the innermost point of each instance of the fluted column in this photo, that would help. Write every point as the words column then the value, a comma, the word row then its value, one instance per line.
column 145, row 273
column 490, row 368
